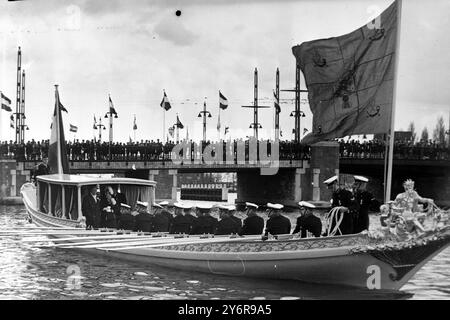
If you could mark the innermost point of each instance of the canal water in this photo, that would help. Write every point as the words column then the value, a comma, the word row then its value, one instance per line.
column 28, row 272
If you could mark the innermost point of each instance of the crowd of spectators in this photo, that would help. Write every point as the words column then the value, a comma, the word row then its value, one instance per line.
column 150, row 150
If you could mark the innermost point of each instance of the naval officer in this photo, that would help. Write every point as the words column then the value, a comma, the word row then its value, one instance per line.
column 205, row 223
column 307, row 222
column 180, row 223
column 364, row 199
column 144, row 219
column 277, row 223
column 227, row 225
column 253, row 224
column 161, row 221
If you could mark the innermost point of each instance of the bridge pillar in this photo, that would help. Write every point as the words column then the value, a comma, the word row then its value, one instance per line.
column 324, row 164
column 12, row 177
column 166, row 183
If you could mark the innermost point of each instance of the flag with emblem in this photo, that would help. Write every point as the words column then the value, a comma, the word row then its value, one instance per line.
column 57, row 154
column 6, row 103
column 223, row 102
column 165, row 104
column 350, row 79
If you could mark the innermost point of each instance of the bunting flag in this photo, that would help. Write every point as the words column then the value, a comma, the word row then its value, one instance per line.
column 165, row 104
column 226, row 130
column 112, row 111
column 95, row 123
column 73, row 128
column 11, row 123
column 276, row 103
column 171, row 130
column 179, row 125
column 223, row 102
column 6, row 103
column 350, row 79
column 57, row 155
column 134, row 123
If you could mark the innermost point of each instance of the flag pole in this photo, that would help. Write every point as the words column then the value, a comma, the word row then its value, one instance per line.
column 394, row 104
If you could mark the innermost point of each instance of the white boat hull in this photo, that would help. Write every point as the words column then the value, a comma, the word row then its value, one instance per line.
column 330, row 260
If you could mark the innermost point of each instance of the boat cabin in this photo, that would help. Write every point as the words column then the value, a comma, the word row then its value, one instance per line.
column 61, row 195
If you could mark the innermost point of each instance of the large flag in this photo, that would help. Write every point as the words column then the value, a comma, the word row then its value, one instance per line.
column 6, row 103
column 111, row 107
column 57, row 154
column 223, row 102
column 165, row 102
column 73, row 128
column 350, row 79
column 179, row 125
column 134, row 124
column 276, row 103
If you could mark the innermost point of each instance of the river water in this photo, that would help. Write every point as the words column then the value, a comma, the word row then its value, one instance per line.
column 28, row 272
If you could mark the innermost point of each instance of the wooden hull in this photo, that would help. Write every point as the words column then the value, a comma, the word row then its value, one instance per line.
column 333, row 260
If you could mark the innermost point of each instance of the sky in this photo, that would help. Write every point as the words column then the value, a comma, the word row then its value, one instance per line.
column 135, row 49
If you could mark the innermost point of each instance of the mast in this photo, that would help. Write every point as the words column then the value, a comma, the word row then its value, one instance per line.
column 394, row 104
column 277, row 96
column 18, row 92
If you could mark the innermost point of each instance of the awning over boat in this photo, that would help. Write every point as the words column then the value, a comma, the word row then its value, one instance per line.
column 71, row 179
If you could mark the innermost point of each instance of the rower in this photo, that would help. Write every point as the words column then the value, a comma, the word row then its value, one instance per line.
column 161, row 221
column 180, row 223
column 277, row 223
column 253, row 224
column 168, row 210
column 187, row 211
column 205, row 223
column 364, row 200
column 227, row 225
column 127, row 220
column 232, row 212
column 307, row 222
column 144, row 219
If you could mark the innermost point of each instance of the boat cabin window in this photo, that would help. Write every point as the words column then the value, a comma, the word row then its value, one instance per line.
column 52, row 199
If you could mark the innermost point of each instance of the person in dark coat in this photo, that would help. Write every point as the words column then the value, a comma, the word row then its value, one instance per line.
column 364, row 200
column 161, row 221
column 90, row 208
column 226, row 225
column 307, row 222
column 41, row 169
column 144, row 219
column 253, row 224
column 127, row 220
column 180, row 224
column 277, row 223
column 205, row 223
column 168, row 210
column 187, row 210
column 232, row 211
column 108, row 209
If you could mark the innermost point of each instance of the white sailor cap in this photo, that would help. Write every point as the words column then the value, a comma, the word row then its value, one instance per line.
column 125, row 206
column 143, row 204
column 331, row 180
column 182, row 205
column 156, row 205
column 222, row 207
column 276, row 206
column 231, row 207
column 361, row 179
column 306, row 204
column 203, row 206
column 252, row 205
column 164, row 203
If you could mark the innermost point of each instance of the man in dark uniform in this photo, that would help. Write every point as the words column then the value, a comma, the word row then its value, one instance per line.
column 180, row 223
column 127, row 220
column 364, row 200
column 168, row 210
column 277, row 223
column 227, row 225
column 232, row 211
column 307, row 222
column 253, row 224
column 161, row 222
column 91, row 208
column 144, row 219
column 187, row 210
column 205, row 223
column 41, row 169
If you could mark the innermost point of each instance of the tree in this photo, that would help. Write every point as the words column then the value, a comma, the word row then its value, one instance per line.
column 439, row 131
column 424, row 136
column 412, row 129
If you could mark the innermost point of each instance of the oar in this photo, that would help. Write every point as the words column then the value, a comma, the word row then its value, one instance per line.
column 213, row 240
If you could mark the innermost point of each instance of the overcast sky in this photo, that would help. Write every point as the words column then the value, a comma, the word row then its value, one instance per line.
column 133, row 49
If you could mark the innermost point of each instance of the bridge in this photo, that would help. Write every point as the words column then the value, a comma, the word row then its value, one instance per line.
column 286, row 180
